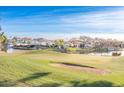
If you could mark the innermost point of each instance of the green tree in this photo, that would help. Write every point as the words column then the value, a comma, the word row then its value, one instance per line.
column 59, row 43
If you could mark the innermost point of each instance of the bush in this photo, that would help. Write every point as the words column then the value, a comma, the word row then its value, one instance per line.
column 116, row 54
column 71, row 50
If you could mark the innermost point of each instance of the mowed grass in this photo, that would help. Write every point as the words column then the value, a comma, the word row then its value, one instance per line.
column 35, row 68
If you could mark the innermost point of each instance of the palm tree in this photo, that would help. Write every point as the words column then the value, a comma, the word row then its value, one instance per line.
column 3, row 39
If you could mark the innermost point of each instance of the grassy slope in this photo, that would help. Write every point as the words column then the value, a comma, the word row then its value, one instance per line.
column 34, row 69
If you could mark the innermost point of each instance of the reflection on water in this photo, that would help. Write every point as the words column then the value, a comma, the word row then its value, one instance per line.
column 107, row 53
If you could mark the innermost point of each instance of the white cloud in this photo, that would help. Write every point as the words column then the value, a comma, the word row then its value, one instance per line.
column 111, row 20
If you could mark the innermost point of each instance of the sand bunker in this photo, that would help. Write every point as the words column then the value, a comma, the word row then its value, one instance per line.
column 83, row 68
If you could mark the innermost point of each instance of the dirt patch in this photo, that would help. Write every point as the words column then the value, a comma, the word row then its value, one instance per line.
column 83, row 68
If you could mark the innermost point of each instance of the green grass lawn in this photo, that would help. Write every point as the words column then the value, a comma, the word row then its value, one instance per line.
column 35, row 68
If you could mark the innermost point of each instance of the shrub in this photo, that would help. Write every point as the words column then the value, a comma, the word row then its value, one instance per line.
column 71, row 50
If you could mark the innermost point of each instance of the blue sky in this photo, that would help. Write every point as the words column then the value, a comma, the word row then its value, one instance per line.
column 63, row 21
